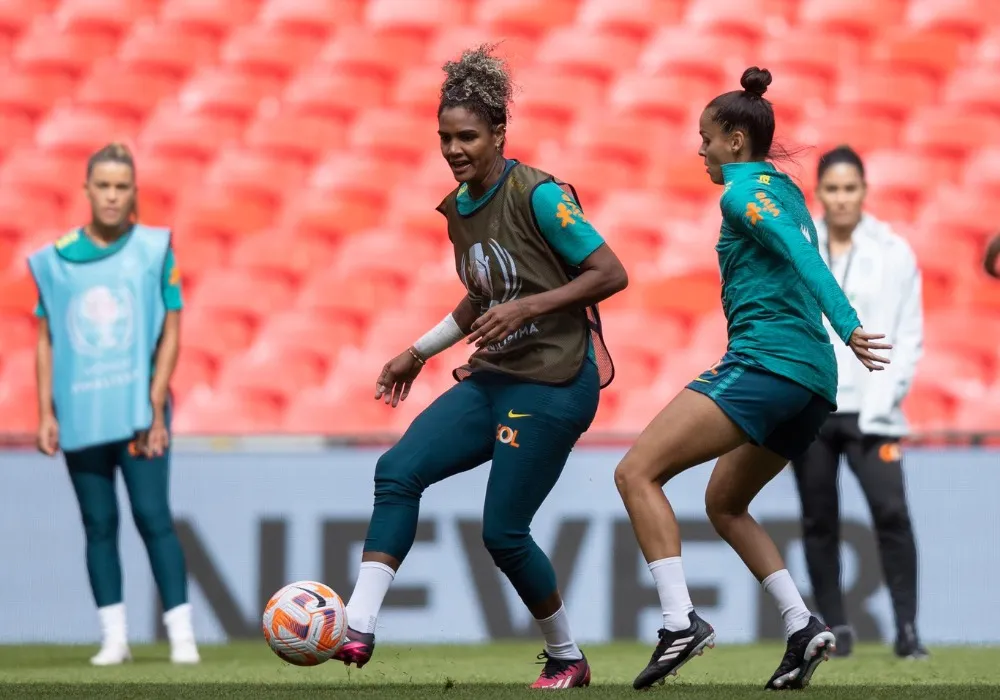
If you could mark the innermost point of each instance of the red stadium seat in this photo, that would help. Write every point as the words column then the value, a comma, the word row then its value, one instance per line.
column 193, row 372
column 283, row 253
column 903, row 172
column 295, row 136
column 326, row 413
column 16, row 131
column 265, row 51
column 17, row 15
column 214, row 334
column 952, row 132
column 326, row 93
column 393, row 135
column 19, row 333
column 857, row 17
column 614, row 136
column 969, row 333
column 754, row 20
column 953, row 372
column 275, row 373
column 928, row 410
column 982, row 170
column 18, row 410
column 673, row 98
column 217, row 17
column 391, row 330
column 878, row 91
column 18, row 292
column 592, row 175
column 173, row 131
column 674, row 50
column 110, row 16
column 864, row 132
column 931, row 53
column 310, row 17
column 636, row 18
column 436, row 291
column 44, row 174
column 385, row 251
column 331, row 214
column 979, row 415
column 77, row 133
column 371, row 52
column 221, row 212
column 689, row 296
column 523, row 16
column 682, row 177
column 975, row 89
column 325, row 292
column 32, row 92
column 809, row 51
column 124, row 91
column 308, row 331
column 797, row 94
column 45, row 46
column 169, row 48
column 255, row 296
column 227, row 91
column 199, row 254
column 360, row 174
column 421, row 18
column 255, row 176
column 450, row 41
column 558, row 94
column 596, row 54
column 961, row 17
column 221, row 413
column 955, row 211
column 418, row 89
column 647, row 332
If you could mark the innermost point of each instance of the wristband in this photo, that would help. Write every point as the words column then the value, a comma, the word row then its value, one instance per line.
column 439, row 338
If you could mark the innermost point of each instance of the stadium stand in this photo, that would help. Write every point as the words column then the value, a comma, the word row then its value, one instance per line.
column 281, row 140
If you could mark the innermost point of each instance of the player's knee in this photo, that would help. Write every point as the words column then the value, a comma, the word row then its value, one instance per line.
column 152, row 520
column 891, row 516
column 100, row 525
column 721, row 511
column 395, row 476
column 505, row 544
column 628, row 475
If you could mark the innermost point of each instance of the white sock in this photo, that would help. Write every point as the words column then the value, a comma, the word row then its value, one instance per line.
column 675, row 601
column 793, row 611
column 177, row 620
column 374, row 579
column 113, row 626
column 558, row 640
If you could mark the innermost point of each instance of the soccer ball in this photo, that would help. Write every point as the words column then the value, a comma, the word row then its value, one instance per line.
column 305, row 623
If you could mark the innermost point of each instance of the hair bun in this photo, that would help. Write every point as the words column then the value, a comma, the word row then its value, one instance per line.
column 755, row 80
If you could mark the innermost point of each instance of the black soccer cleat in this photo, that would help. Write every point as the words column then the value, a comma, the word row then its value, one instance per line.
column 908, row 644
column 674, row 650
column 806, row 650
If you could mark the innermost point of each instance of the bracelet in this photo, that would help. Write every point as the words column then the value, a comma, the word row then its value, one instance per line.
column 417, row 357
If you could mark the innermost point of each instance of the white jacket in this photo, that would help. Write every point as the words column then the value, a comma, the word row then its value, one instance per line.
column 884, row 286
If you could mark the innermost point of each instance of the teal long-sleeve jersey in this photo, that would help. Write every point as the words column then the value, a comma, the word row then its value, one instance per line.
column 775, row 285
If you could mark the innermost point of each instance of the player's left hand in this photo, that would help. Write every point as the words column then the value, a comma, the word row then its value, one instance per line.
column 862, row 345
column 154, row 442
column 499, row 322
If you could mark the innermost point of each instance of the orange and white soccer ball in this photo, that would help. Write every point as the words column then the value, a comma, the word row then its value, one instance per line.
column 305, row 623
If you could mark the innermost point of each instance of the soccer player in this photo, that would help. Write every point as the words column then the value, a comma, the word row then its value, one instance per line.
column 762, row 403
column 878, row 271
column 534, row 270
column 109, row 309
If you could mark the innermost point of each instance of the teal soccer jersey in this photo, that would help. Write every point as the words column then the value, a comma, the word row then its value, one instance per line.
column 775, row 285
column 76, row 246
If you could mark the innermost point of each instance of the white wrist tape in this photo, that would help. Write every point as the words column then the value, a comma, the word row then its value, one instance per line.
column 439, row 338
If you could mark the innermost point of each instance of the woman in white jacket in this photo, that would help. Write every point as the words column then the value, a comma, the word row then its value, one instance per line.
column 878, row 271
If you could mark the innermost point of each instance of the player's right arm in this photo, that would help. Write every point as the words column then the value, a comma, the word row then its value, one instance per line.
column 48, row 426
column 757, row 212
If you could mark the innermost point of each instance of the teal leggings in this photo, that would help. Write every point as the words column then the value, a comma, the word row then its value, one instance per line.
column 92, row 471
column 527, row 430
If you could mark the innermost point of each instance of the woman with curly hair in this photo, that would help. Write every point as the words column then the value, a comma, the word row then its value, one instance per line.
column 534, row 269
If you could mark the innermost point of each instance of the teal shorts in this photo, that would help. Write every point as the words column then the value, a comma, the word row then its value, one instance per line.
column 774, row 412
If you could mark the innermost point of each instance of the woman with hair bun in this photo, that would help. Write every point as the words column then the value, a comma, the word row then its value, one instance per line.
column 762, row 404
column 109, row 302
column 534, row 270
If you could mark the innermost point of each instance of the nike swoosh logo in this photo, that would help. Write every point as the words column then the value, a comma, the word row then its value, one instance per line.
column 511, row 414
column 319, row 599
column 703, row 381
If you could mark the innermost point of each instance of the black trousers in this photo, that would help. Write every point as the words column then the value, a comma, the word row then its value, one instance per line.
column 875, row 461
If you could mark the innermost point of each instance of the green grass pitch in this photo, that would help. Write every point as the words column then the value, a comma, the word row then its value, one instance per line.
column 250, row 670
